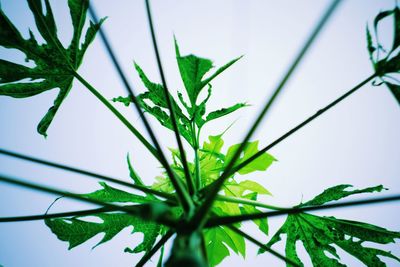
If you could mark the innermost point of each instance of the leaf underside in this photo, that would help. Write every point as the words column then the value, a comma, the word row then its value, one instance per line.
column 320, row 234
column 54, row 64
column 386, row 59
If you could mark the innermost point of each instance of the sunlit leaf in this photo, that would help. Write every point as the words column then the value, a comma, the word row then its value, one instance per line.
column 259, row 164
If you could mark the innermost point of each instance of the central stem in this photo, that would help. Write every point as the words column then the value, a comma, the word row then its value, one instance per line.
column 197, row 168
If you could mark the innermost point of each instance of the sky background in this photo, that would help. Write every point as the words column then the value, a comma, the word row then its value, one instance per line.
column 354, row 143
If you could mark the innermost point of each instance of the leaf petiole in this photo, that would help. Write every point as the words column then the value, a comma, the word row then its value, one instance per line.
column 247, row 202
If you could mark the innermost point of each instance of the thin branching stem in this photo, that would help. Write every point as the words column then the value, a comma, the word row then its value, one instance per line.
column 245, row 201
column 200, row 217
column 87, row 173
column 155, row 248
column 54, row 215
column 94, row 211
column 182, row 195
column 171, row 108
column 224, row 220
column 134, row 210
column 301, row 125
column 262, row 246
column 121, row 117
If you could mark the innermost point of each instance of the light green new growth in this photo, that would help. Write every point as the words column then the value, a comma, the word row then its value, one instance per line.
column 56, row 66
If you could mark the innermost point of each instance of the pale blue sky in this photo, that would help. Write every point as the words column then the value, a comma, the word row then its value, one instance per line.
column 357, row 142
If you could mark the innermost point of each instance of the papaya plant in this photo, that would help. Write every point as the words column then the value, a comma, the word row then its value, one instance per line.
column 203, row 193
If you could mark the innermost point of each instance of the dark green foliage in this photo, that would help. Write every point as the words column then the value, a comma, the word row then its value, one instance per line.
column 318, row 234
column 55, row 67
column 386, row 60
column 77, row 231
column 54, row 64
column 338, row 192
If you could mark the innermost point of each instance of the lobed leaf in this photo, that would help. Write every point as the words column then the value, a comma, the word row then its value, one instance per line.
column 224, row 111
column 386, row 60
column 319, row 234
column 260, row 164
column 110, row 195
column 54, row 64
column 193, row 69
column 338, row 192
column 76, row 231
column 154, row 102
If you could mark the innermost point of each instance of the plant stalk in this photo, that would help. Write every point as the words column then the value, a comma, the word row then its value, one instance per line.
column 134, row 210
column 225, row 220
column 201, row 216
column 245, row 201
column 188, row 177
column 121, row 117
column 301, row 125
column 155, row 248
column 182, row 194
column 262, row 246
column 87, row 173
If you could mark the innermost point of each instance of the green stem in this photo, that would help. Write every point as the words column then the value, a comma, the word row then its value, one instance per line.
column 118, row 115
column 248, row 202
column 140, row 211
column 54, row 215
column 155, row 248
column 262, row 246
column 197, row 170
column 88, row 173
column 181, row 193
column 201, row 216
column 225, row 220
column 171, row 108
column 197, row 166
column 301, row 125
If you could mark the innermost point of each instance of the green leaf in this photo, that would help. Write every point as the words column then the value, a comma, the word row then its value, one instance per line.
column 214, row 145
column 193, row 69
column 163, row 184
column 218, row 240
column 395, row 89
column 370, row 45
column 249, row 209
column 387, row 62
column 124, row 100
column 224, row 111
column 251, row 148
column 76, row 231
column 338, row 192
column 396, row 18
column 54, row 64
column 110, row 194
column 154, row 102
column 319, row 234
column 132, row 173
